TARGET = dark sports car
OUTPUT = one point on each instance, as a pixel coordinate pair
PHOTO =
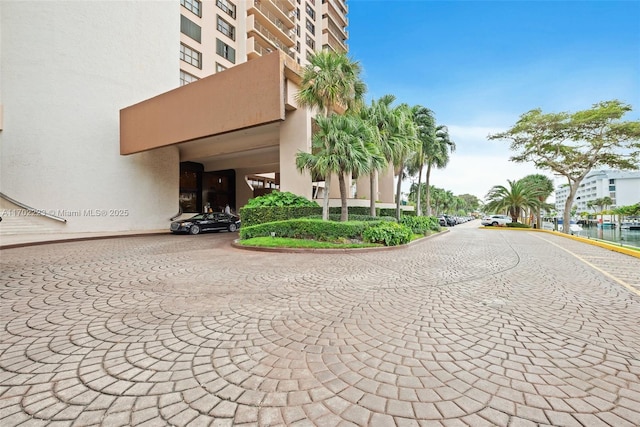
(200, 223)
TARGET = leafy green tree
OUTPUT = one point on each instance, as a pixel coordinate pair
(471, 202)
(513, 199)
(330, 81)
(342, 145)
(544, 185)
(572, 144)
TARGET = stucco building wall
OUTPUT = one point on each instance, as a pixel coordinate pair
(67, 70)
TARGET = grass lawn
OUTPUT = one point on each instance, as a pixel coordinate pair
(283, 242)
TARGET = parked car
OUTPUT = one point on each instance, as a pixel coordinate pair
(215, 221)
(442, 221)
(496, 220)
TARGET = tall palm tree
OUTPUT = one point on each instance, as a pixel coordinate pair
(330, 81)
(425, 127)
(518, 196)
(342, 145)
(407, 136)
(544, 185)
(437, 155)
(387, 135)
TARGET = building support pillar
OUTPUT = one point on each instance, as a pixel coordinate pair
(295, 135)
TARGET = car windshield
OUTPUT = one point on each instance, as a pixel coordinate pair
(199, 216)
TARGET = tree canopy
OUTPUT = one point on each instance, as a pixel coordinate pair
(572, 144)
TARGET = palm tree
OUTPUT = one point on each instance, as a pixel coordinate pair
(520, 195)
(425, 124)
(388, 137)
(330, 81)
(437, 156)
(407, 135)
(544, 185)
(342, 145)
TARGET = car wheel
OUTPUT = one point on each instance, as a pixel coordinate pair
(232, 227)
(194, 229)
(494, 223)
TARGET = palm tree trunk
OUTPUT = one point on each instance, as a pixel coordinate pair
(373, 194)
(398, 189)
(428, 189)
(325, 198)
(418, 204)
(344, 212)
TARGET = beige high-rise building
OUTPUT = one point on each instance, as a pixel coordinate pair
(120, 115)
(219, 34)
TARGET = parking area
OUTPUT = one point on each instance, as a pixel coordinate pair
(472, 327)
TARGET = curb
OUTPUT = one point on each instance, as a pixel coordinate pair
(77, 239)
(609, 246)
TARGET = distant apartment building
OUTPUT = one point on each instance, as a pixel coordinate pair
(119, 115)
(623, 187)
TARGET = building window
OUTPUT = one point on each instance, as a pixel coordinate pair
(297, 30)
(612, 188)
(612, 181)
(227, 29)
(186, 78)
(310, 11)
(190, 28)
(311, 27)
(310, 42)
(194, 6)
(190, 56)
(228, 7)
(220, 67)
(225, 51)
(298, 47)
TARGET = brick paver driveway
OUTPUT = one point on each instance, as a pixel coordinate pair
(474, 327)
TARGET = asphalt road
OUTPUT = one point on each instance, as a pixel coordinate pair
(472, 327)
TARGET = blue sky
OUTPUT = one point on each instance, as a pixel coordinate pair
(480, 64)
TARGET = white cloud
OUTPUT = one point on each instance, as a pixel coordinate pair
(476, 174)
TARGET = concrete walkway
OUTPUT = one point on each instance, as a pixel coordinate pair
(474, 327)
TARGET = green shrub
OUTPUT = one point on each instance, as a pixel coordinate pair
(517, 225)
(420, 224)
(336, 217)
(305, 228)
(353, 210)
(259, 215)
(388, 233)
(281, 199)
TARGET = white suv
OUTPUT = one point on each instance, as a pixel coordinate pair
(496, 220)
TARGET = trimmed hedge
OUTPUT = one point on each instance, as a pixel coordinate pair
(336, 217)
(252, 216)
(421, 224)
(305, 228)
(517, 225)
(354, 210)
(388, 233)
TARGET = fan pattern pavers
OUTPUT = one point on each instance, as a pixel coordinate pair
(474, 327)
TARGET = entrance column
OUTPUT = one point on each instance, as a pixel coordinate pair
(385, 185)
(295, 135)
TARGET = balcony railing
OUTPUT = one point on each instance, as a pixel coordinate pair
(264, 32)
(271, 17)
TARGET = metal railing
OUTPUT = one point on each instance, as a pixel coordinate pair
(271, 17)
(38, 212)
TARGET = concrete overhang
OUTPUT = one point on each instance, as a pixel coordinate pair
(234, 111)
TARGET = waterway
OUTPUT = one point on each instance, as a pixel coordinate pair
(615, 235)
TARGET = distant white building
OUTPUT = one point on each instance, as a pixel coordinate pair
(623, 187)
